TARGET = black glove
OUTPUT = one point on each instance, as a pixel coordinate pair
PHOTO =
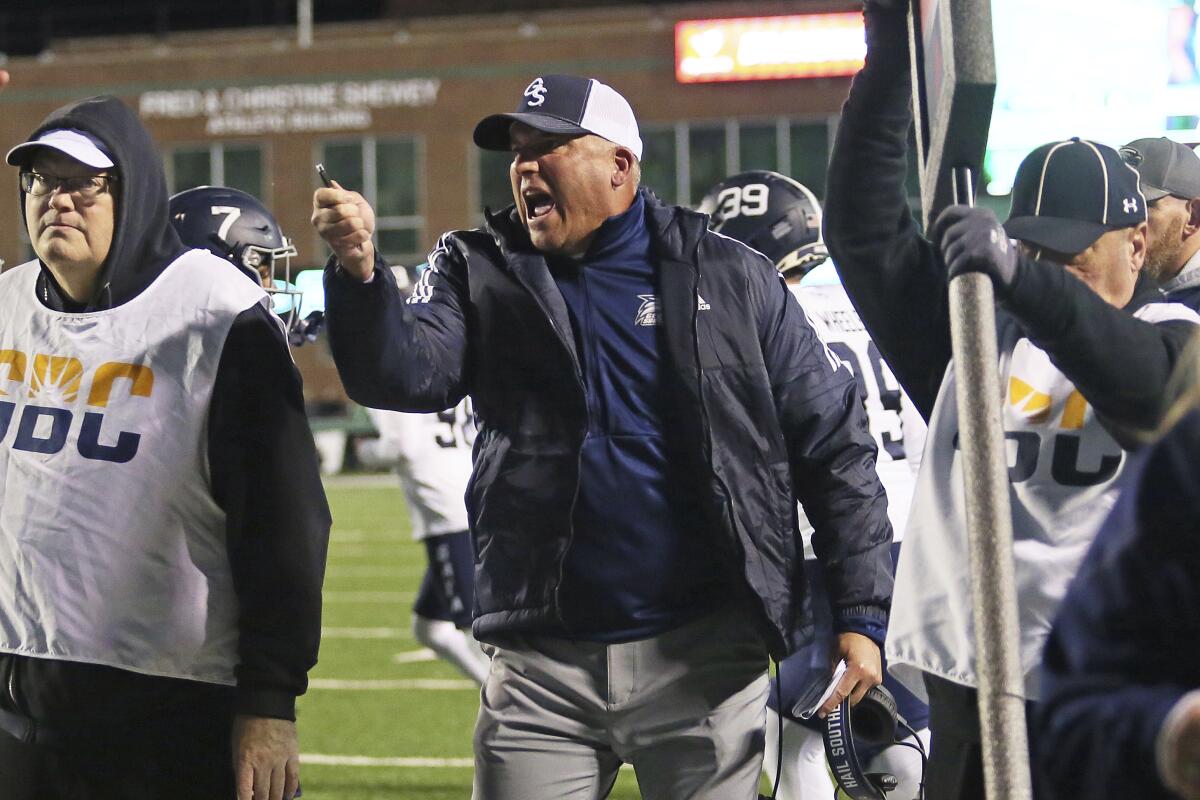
(972, 240)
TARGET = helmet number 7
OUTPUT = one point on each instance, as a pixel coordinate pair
(231, 214)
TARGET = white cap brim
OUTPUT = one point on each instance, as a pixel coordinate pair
(81, 146)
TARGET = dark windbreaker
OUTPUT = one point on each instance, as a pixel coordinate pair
(760, 414)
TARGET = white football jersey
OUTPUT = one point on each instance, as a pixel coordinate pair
(431, 454)
(898, 429)
(1062, 471)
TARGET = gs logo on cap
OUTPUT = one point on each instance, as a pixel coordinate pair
(536, 92)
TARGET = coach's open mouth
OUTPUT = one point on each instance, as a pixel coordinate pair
(537, 204)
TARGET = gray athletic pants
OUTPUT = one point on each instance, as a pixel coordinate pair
(686, 708)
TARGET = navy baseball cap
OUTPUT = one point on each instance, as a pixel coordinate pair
(1068, 194)
(1166, 167)
(566, 104)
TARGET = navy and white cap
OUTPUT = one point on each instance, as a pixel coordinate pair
(79, 145)
(1165, 166)
(566, 104)
(1068, 194)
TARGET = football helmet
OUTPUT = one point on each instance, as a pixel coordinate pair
(237, 227)
(772, 213)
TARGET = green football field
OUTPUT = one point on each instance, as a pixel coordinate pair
(382, 719)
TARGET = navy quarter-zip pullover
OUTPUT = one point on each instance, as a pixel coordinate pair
(637, 564)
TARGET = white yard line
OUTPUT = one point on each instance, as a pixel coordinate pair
(351, 536)
(427, 684)
(360, 481)
(373, 550)
(322, 759)
(358, 571)
(365, 633)
(391, 562)
(371, 761)
(368, 597)
(414, 656)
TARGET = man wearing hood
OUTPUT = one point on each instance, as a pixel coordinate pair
(162, 524)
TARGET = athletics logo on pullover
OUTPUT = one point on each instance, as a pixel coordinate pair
(647, 313)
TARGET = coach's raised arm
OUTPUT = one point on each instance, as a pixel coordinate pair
(1086, 346)
(388, 356)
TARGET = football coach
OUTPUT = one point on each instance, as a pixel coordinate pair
(652, 403)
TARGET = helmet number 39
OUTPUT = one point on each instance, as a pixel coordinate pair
(742, 201)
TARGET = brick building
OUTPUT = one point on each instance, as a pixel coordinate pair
(389, 105)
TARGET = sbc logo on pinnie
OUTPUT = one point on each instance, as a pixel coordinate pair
(54, 381)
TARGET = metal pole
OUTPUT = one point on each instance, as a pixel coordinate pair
(989, 530)
(304, 24)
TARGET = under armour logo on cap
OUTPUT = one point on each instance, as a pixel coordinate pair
(566, 104)
(1130, 205)
(536, 91)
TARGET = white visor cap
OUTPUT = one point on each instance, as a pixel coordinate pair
(79, 145)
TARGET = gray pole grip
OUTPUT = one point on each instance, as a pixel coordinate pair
(989, 531)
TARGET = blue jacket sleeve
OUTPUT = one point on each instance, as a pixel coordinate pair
(396, 353)
(1123, 649)
(832, 460)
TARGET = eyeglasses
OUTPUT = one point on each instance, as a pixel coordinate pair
(85, 186)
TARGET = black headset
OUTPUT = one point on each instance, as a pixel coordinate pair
(874, 721)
